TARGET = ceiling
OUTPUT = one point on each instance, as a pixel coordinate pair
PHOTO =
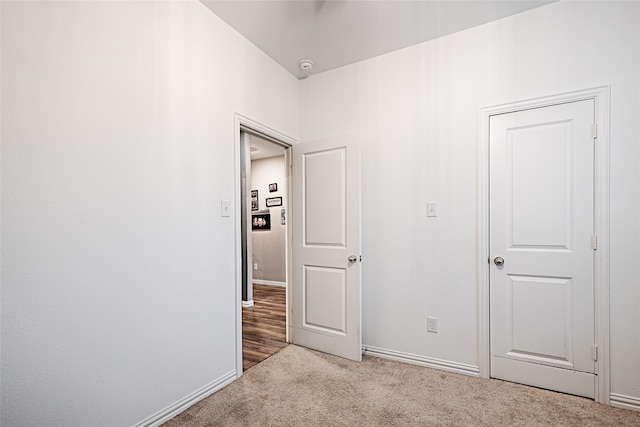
(333, 33)
(263, 149)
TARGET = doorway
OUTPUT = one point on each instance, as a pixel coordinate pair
(261, 301)
(544, 243)
(265, 277)
(329, 318)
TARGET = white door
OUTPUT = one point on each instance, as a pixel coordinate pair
(325, 285)
(541, 226)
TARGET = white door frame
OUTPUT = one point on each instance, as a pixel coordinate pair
(243, 123)
(601, 217)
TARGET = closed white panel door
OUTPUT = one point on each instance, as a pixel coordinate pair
(541, 246)
(325, 288)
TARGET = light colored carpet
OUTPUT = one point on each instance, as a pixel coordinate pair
(301, 387)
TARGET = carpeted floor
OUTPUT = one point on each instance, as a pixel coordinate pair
(301, 387)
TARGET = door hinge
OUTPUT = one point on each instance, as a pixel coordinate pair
(594, 353)
(594, 242)
(594, 130)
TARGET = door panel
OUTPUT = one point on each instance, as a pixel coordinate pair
(548, 339)
(324, 206)
(326, 310)
(540, 214)
(541, 223)
(324, 295)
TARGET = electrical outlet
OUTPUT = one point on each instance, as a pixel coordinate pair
(432, 324)
(432, 209)
(255, 266)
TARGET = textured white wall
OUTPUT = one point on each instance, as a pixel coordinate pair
(269, 247)
(416, 112)
(118, 272)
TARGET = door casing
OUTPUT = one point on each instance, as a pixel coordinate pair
(243, 123)
(600, 95)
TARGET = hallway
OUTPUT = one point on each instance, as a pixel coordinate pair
(263, 325)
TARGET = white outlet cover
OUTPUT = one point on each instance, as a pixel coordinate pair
(432, 209)
(432, 324)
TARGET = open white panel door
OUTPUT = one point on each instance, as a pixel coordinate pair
(326, 298)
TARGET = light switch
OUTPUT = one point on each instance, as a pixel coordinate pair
(225, 208)
(432, 209)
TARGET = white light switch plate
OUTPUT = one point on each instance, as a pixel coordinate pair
(225, 208)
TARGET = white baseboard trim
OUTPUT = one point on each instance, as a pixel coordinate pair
(247, 303)
(622, 401)
(183, 404)
(429, 362)
(269, 282)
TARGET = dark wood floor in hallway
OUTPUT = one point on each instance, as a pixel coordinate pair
(263, 325)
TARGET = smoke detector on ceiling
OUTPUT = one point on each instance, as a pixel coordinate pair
(306, 64)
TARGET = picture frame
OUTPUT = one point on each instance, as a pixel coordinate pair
(254, 200)
(273, 187)
(273, 201)
(261, 221)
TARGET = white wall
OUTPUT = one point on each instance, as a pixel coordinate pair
(117, 147)
(118, 272)
(269, 246)
(416, 112)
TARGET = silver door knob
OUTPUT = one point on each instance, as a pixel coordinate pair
(352, 258)
(498, 261)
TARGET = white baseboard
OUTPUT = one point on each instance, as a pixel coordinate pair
(622, 401)
(429, 362)
(247, 303)
(269, 282)
(183, 404)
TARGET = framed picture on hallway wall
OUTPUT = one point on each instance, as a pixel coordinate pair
(273, 188)
(273, 201)
(261, 221)
(254, 200)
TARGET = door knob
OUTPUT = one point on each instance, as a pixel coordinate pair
(352, 258)
(498, 261)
